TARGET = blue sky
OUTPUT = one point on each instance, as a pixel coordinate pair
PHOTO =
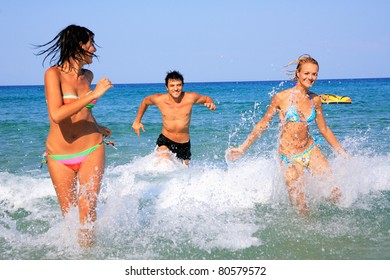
(214, 40)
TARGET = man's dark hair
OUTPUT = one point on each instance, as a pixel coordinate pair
(174, 75)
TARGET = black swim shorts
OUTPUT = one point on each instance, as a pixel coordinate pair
(182, 150)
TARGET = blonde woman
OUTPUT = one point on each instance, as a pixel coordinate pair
(296, 108)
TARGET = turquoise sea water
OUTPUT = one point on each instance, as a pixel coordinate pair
(215, 209)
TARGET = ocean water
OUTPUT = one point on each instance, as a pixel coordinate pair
(214, 209)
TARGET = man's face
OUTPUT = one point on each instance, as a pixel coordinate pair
(175, 88)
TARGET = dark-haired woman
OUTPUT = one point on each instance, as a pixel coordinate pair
(74, 148)
(297, 107)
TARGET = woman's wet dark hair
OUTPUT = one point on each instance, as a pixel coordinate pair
(66, 45)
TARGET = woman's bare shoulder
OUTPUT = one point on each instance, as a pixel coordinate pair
(52, 75)
(88, 74)
(316, 98)
(282, 95)
(52, 71)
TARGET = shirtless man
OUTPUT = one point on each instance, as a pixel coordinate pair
(175, 107)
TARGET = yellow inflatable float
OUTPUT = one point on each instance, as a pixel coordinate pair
(334, 99)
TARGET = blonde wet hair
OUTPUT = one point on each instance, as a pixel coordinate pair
(303, 59)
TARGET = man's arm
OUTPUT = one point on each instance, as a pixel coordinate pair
(146, 102)
(205, 100)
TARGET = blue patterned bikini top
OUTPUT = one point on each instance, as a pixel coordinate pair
(292, 114)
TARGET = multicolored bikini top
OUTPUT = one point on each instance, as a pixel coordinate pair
(71, 97)
(292, 114)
